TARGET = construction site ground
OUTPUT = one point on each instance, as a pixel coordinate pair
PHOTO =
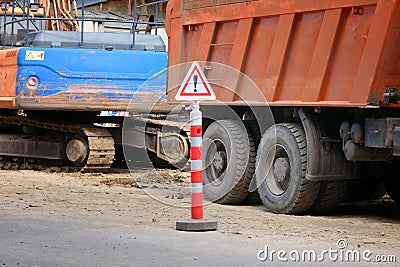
(123, 219)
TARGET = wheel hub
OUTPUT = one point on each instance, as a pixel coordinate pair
(281, 169)
(219, 161)
(278, 177)
(77, 150)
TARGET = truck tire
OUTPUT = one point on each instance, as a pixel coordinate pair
(329, 196)
(229, 161)
(284, 188)
(254, 129)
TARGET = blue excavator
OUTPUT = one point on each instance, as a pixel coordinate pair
(61, 87)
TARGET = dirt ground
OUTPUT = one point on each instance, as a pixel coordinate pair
(157, 199)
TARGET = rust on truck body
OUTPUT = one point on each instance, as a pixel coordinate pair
(342, 53)
(8, 70)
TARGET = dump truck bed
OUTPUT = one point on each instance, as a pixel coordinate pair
(343, 53)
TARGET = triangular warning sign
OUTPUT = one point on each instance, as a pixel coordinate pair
(195, 86)
(29, 56)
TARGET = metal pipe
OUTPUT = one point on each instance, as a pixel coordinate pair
(41, 24)
(89, 19)
(24, 15)
(82, 22)
(134, 26)
(28, 19)
(156, 18)
(12, 24)
(23, 10)
(4, 25)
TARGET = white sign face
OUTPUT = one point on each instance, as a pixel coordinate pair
(34, 55)
(195, 86)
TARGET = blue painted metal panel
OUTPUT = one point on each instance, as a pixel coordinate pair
(86, 79)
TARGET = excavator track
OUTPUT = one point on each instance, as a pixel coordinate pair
(99, 141)
(101, 149)
(82, 147)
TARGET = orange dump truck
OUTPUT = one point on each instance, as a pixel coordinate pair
(308, 98)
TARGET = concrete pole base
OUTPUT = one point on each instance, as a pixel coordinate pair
(191, 225)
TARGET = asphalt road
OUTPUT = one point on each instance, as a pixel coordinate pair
(31, 241)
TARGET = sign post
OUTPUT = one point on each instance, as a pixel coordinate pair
(194, 88)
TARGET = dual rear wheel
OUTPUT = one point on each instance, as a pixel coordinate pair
(229, 157)
(279, 168)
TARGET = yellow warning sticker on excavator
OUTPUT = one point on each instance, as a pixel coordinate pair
(34, 55)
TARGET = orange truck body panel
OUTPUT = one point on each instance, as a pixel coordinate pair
(8, 72)
(342, 53)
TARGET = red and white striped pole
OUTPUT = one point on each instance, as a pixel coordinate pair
(196, 223)
(196, 172)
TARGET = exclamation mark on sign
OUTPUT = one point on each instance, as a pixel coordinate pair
(195, 83)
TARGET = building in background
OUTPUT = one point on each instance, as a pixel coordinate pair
(125, 7)
(102, 10)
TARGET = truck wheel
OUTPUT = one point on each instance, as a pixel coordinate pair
(281, 169)
(254, 129)
(329, 196)
(229, 158)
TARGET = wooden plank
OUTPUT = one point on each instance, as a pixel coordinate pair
(275, 65)
(238, 56)
(207, 36)
(322, 55)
